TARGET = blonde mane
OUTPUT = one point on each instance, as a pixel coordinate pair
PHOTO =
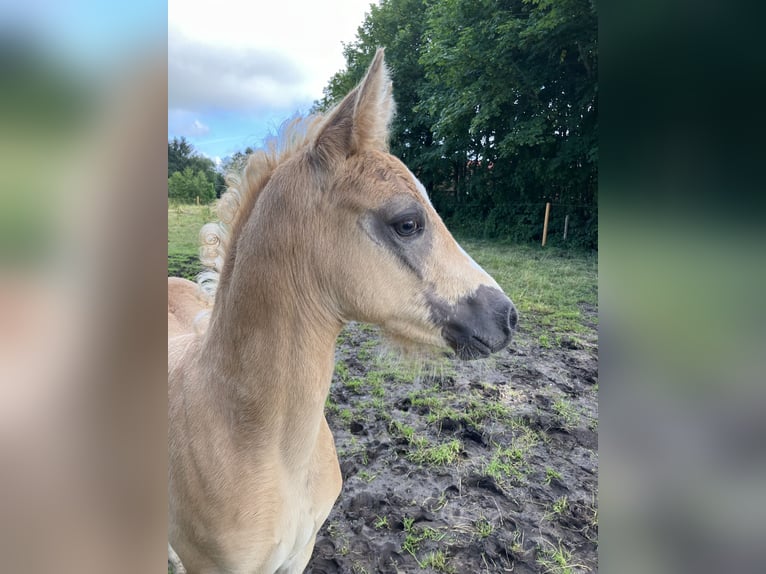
(243, 187)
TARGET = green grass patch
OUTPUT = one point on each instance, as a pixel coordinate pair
(381, 522)
(396, 369)
(341, 371)
(557, 560)
(415, 535)
(438, 561)
(483, 528)
(550, 475)
(423, 451)
(566, 413)
(548, 286)
(184, 224)
(354, 385)
(510, 462)
(436, 454)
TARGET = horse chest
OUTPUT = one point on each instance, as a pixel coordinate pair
(285, 539)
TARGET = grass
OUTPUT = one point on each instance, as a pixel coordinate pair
(184, 224)
(483, 528)
(381, 522)
(422, 451)
(548, 286)
(437, 455)
(506, 463)
(472, 410)
(366, 476)
(557, 560)
(437, 559)
(550, 475)
(510, 462)
(566, 413)
(560, 506)
(396, 369)
(415, 536)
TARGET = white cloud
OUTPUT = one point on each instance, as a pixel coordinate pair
(184, 123)
(251, 56)
(203, 76)
(199, 129)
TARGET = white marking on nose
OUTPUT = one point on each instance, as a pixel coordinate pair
(470, 259)
(491, 280)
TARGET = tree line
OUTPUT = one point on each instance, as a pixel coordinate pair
(496, 109)
(191, 176)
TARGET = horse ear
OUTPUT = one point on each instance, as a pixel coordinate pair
(361, 121)
(374, 107)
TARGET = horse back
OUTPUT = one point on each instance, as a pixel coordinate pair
(185, 303)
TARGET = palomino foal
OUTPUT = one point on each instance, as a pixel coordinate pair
(326, 229)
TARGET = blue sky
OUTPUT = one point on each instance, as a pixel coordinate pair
(237, 70)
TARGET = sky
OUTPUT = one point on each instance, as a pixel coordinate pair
(238, 69)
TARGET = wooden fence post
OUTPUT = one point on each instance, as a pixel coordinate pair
(566, 226)
(545, 223)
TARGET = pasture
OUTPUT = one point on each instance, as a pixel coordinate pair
(452, 466)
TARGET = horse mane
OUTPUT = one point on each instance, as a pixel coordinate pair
(243, 187)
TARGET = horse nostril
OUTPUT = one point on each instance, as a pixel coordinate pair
(514, 317)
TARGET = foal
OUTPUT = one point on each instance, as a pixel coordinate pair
(330, 228)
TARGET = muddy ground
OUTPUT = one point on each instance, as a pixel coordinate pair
(465, 467)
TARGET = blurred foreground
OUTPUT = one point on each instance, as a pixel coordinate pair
(82, 332)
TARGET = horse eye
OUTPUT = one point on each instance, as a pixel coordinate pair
(407, 227)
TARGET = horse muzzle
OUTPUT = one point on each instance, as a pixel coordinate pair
(479, 324)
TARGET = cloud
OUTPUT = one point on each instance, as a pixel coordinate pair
(185, 123)
(196, 129)
(203, 76)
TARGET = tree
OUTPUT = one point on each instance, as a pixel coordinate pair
(181, 155)
(188, 185)
(497, 107)
(513, 82)
(397, 25)
(179, 152)
(236, 162)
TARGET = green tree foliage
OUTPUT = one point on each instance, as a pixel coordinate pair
(188, 185)
(181, 155)
(496, 108)
(235, 163)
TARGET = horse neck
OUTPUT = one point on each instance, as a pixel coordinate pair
(269, 354)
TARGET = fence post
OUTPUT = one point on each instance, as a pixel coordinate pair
(545, 223)
(566, 226)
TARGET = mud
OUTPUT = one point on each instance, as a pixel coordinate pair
(466, 467)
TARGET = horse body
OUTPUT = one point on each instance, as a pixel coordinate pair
(254, 471)
(330, 229)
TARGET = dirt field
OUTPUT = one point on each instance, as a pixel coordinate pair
(488, 466)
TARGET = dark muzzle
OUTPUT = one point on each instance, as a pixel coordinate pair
(479, 324)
